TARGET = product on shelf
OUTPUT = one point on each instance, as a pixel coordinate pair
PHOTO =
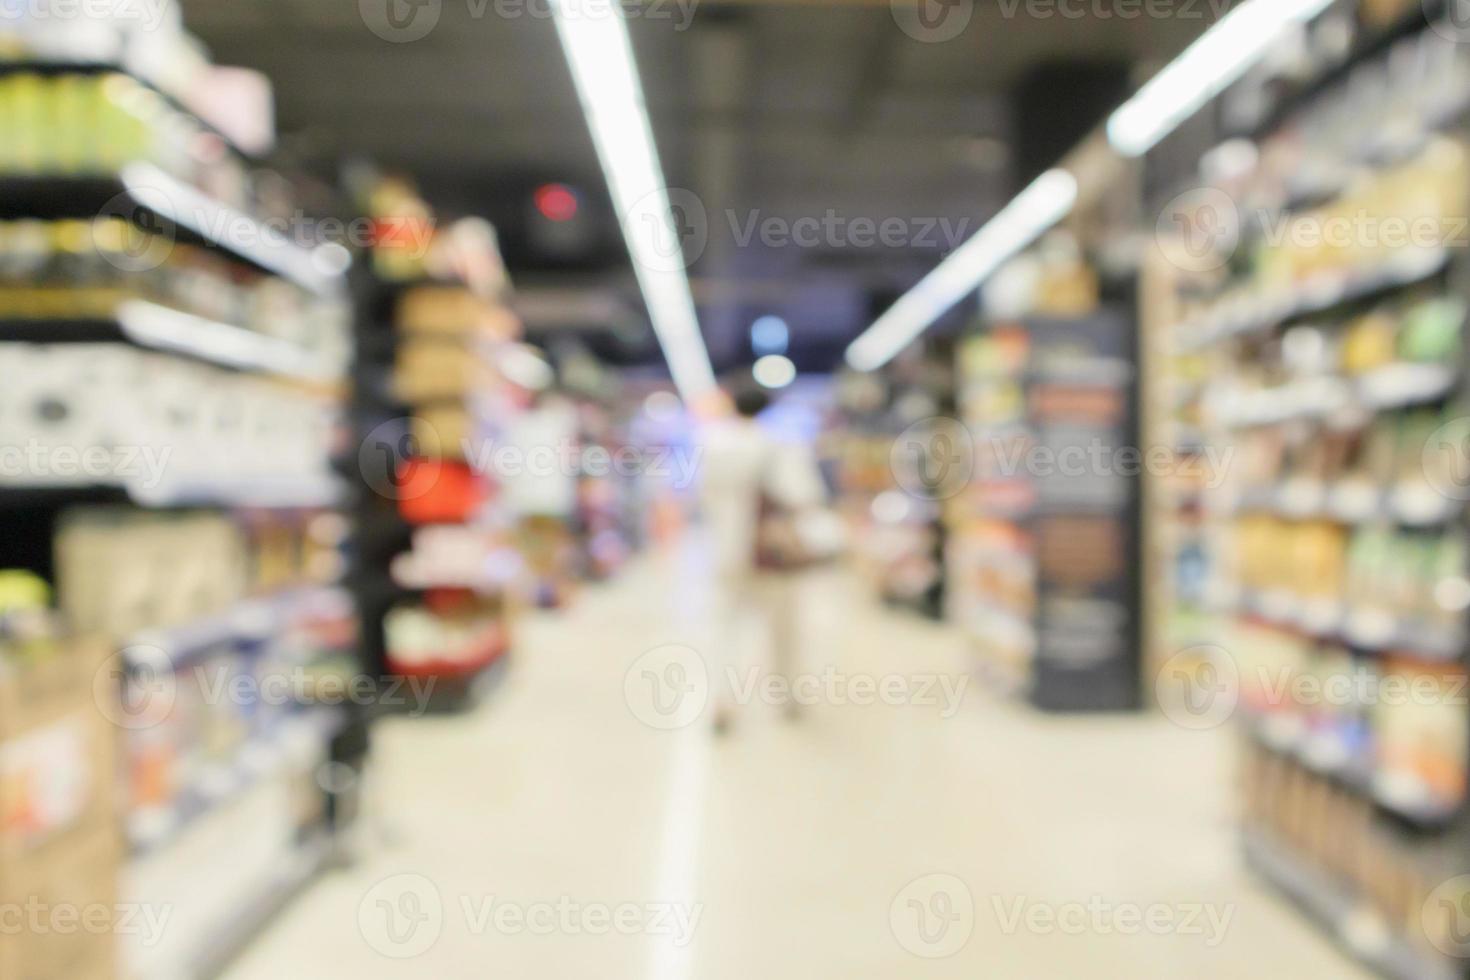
(183, 566)
(456, 632)
(92, 124)
(161, 426)
(29, 628)
(106, 268)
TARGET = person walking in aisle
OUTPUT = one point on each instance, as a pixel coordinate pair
(753, 489)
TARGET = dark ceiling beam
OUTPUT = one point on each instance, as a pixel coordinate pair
(722, 72)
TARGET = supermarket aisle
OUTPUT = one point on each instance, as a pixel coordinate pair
(553, 834)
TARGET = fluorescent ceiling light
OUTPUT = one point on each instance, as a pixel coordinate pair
(601, 59)
(1049, 198)
(1219, 57)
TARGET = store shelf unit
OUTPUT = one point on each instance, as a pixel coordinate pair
(900, 538)
(436, 566)
(175, 379)
(1323, 565)
(1340, 913)
(990, 560)
(1046, 534)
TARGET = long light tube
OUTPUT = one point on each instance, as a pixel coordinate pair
(601, 60)
(1219, 57)
(1041, 205)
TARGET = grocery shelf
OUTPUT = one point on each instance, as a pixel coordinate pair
(159, 327)
(54, 496)
(65, 67)
(260, 757)
(1328, 365)
(1324, 753)
(1409, 506)
(252, 618)
(1354, 927)
(1256, 315)
(317, 493)
(221, 343)
(200, 217)
(1415, 18)
(1393, 386)
(233, 230)
(1289, 736)
(1364, 627)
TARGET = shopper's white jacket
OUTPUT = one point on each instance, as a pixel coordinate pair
(738, 458)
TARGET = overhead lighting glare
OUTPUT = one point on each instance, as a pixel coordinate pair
(601, 60)
(1219, 57)
(1041, 205)
(774, 371)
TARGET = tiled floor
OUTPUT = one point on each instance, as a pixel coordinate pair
(554, 834)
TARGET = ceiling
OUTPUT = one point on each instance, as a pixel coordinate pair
(829, 111)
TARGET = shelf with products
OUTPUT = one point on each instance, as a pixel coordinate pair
(439, 565)
(1385, 724)
(899, 542)
(173, 417)
(156, 51)
(1350, 47)
(81, 74)
(173, 210)
(1042, 538)
(1343, 914)
(196, 434)
(150, 326)
(1324, 363)
(605, 537)
(990, 559)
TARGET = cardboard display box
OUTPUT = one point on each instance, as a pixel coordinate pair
(60, 849)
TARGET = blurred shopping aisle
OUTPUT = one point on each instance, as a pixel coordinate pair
(789, 849)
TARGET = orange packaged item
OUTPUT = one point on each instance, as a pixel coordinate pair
(438, 491)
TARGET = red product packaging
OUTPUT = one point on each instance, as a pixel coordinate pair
(438, 491)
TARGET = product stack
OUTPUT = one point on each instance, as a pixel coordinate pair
(990, 558)
(605, 538)
(174, 648)
(897, 531)
(1325, 350)
(889, 490)
(1043, 536)
(441, 374)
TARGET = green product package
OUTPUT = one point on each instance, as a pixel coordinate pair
(1431, 331)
